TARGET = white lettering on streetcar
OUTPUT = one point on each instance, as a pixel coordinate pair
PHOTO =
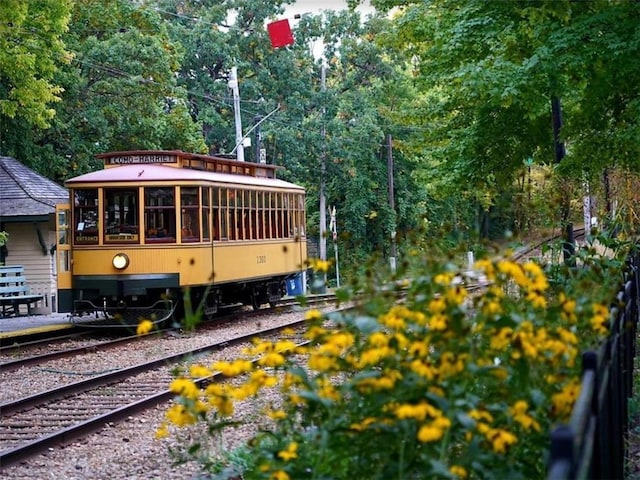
(133, 159)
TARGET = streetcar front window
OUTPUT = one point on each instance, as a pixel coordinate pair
(190, 218)
(121, 223)
(85, 216)
(159, 215)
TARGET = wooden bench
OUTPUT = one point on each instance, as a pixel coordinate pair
(14, 291)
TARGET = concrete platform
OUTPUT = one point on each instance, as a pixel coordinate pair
(24, 325)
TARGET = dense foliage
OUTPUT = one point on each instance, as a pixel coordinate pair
(463, 90)
(445, 384)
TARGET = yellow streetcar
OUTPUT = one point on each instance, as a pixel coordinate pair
(152, 225)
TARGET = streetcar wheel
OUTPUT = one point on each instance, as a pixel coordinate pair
(255, 302)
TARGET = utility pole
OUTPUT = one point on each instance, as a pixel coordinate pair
(568, 244)
(323, 160)
(392, 203)
(233, 85)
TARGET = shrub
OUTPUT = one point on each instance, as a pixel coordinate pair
(442, 384)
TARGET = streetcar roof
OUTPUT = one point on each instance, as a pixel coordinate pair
(150, 173)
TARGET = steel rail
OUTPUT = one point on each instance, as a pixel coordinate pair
(12, 455)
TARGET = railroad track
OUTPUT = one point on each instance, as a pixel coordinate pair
(536, 248)
(32, 424)
(20, 349)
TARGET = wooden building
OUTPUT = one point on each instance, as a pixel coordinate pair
(27, 213)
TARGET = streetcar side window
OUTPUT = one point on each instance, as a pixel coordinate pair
(190, 219)
(159, 215)
(121, 223)
(260, 216)
(224, 214)
(215, 210)
(206, 214)
(85, 216)
(300, 216)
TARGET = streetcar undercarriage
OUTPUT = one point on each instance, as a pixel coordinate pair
(127, 302)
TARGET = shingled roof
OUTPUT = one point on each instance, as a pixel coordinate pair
(25, 193)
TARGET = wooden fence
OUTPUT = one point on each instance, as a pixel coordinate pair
(593, 445)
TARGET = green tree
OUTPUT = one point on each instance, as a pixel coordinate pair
(31, 52)
(488, 70)
(120, 92)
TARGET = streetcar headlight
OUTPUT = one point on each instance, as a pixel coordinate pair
(120, 261)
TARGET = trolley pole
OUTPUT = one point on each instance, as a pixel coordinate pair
(259, 152)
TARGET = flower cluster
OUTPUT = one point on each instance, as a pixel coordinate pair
(442, 385)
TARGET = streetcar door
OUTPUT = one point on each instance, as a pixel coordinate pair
(63, 257)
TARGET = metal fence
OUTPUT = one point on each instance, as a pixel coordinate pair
(593, 444)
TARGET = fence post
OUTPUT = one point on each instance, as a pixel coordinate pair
(561, 454)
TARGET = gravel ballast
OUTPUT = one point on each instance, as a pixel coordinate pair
(129, 450)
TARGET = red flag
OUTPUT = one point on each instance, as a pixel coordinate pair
(280, 33)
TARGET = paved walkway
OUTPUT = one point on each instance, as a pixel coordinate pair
(54, 320)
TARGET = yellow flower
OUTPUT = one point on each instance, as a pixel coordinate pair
(456, 295)
(568, 309)
(272, 359)
(487, 267)
(600, 319)
(501, 439)
(290, 452)
(144, 327)
(178, 415)
(279, 475)
(314, 332)
(374, 355)
(430, 433)
(363, 425)
(536, 299)
(437, 305)
(481, 415)
(277, 414)
(419, 411)
(327, 390)
(313, 315)
(199, 371)
(423, 369)
(438, 322)
(567, 336)
(491, 307)
(185, 387)
(320, 265)
(234, 368)
(378, 339)
(322, 363)
(563, 401)
(162, 431)
(502, 339)
(392, 321)
(443, 278)
(519, 414)
(458, 471)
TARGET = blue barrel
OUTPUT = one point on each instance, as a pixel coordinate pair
(294, 285)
